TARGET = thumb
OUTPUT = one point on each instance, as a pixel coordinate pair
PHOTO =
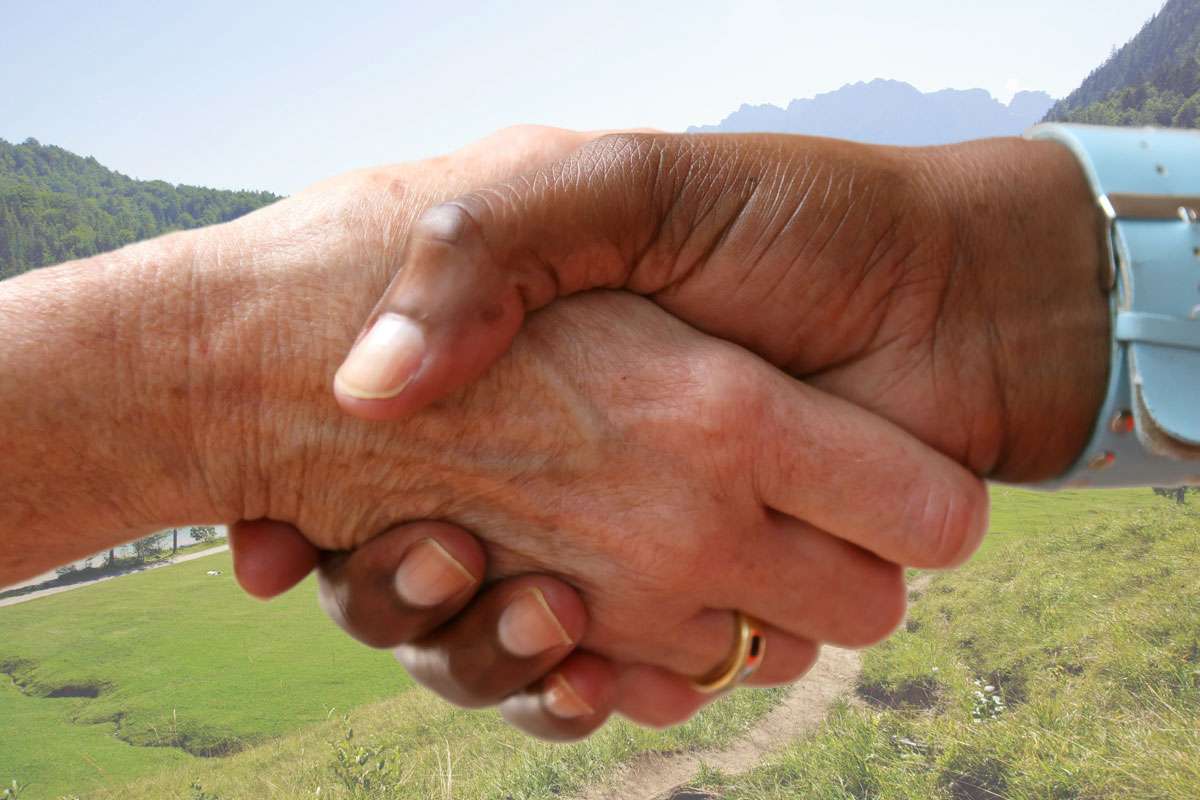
(270, 557)
(606, 216)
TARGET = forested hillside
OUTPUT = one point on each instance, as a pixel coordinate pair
(1153, 80)
(55, 205)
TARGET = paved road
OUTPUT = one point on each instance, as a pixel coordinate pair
(24, 598)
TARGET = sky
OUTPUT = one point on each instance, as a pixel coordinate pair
(275, 95)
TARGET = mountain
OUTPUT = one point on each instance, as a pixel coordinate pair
(55, 206)
(1153, 80)
(893, 112)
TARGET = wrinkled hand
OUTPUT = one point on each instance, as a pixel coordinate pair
(855, 267)
(650, 466)
(952, 290)
(647, 465)
(659, 506)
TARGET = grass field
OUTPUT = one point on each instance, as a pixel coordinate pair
(179, 659)
(1064, 665)
(416, 747)
(184, 659)
(1020, 512)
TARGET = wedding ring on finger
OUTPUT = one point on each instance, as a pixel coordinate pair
(748, 649)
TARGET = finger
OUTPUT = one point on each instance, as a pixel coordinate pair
(569, 703)
(858, 476)
(510, 636)
(713, 637)
(786, 658)
(703, 644)
(658, 698)
(270, 557)
(813, 585)
(403, 583)
(655, 697)
(476, 264)
(579, 695)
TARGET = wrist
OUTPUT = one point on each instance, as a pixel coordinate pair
(95, 384)
(1028, 255)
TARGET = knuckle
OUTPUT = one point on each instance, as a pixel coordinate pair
(690, 193)
(956, 520)
(716, 403)
(427, 666)
(731, 388)
(379, 638)
(447, 223)
(467, 676)
(656, 165)
(626, 148)
(362, 609)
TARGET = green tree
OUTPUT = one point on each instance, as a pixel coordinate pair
(55, 206)
(1153, 80)
(148, 546)
(203, 533)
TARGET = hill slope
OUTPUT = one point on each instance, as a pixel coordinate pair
(1153, 80)
(1084, 613)
(55, 206)
(892, 112)
(1059, 665)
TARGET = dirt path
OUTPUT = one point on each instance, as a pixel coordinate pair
(663, 776)
(25, 598)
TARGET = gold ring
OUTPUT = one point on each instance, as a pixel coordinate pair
(748, 651)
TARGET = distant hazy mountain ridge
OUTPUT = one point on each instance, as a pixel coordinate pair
(1153, 80)
(55, 206)
(893, 112)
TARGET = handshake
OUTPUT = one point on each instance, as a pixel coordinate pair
(639, 416)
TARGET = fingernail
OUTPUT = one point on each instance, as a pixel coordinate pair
(428, 575)
(384, 361)
(561, 699)
(528, 626)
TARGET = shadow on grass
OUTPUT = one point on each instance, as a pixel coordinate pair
(75, 690)
(986, 780)
(18, 670)
(201, 746)
(689, 794)
(916, 694)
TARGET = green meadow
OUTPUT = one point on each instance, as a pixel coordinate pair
(182, 663)
(1062, 665)
(1082, 613)
(1021, 513)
